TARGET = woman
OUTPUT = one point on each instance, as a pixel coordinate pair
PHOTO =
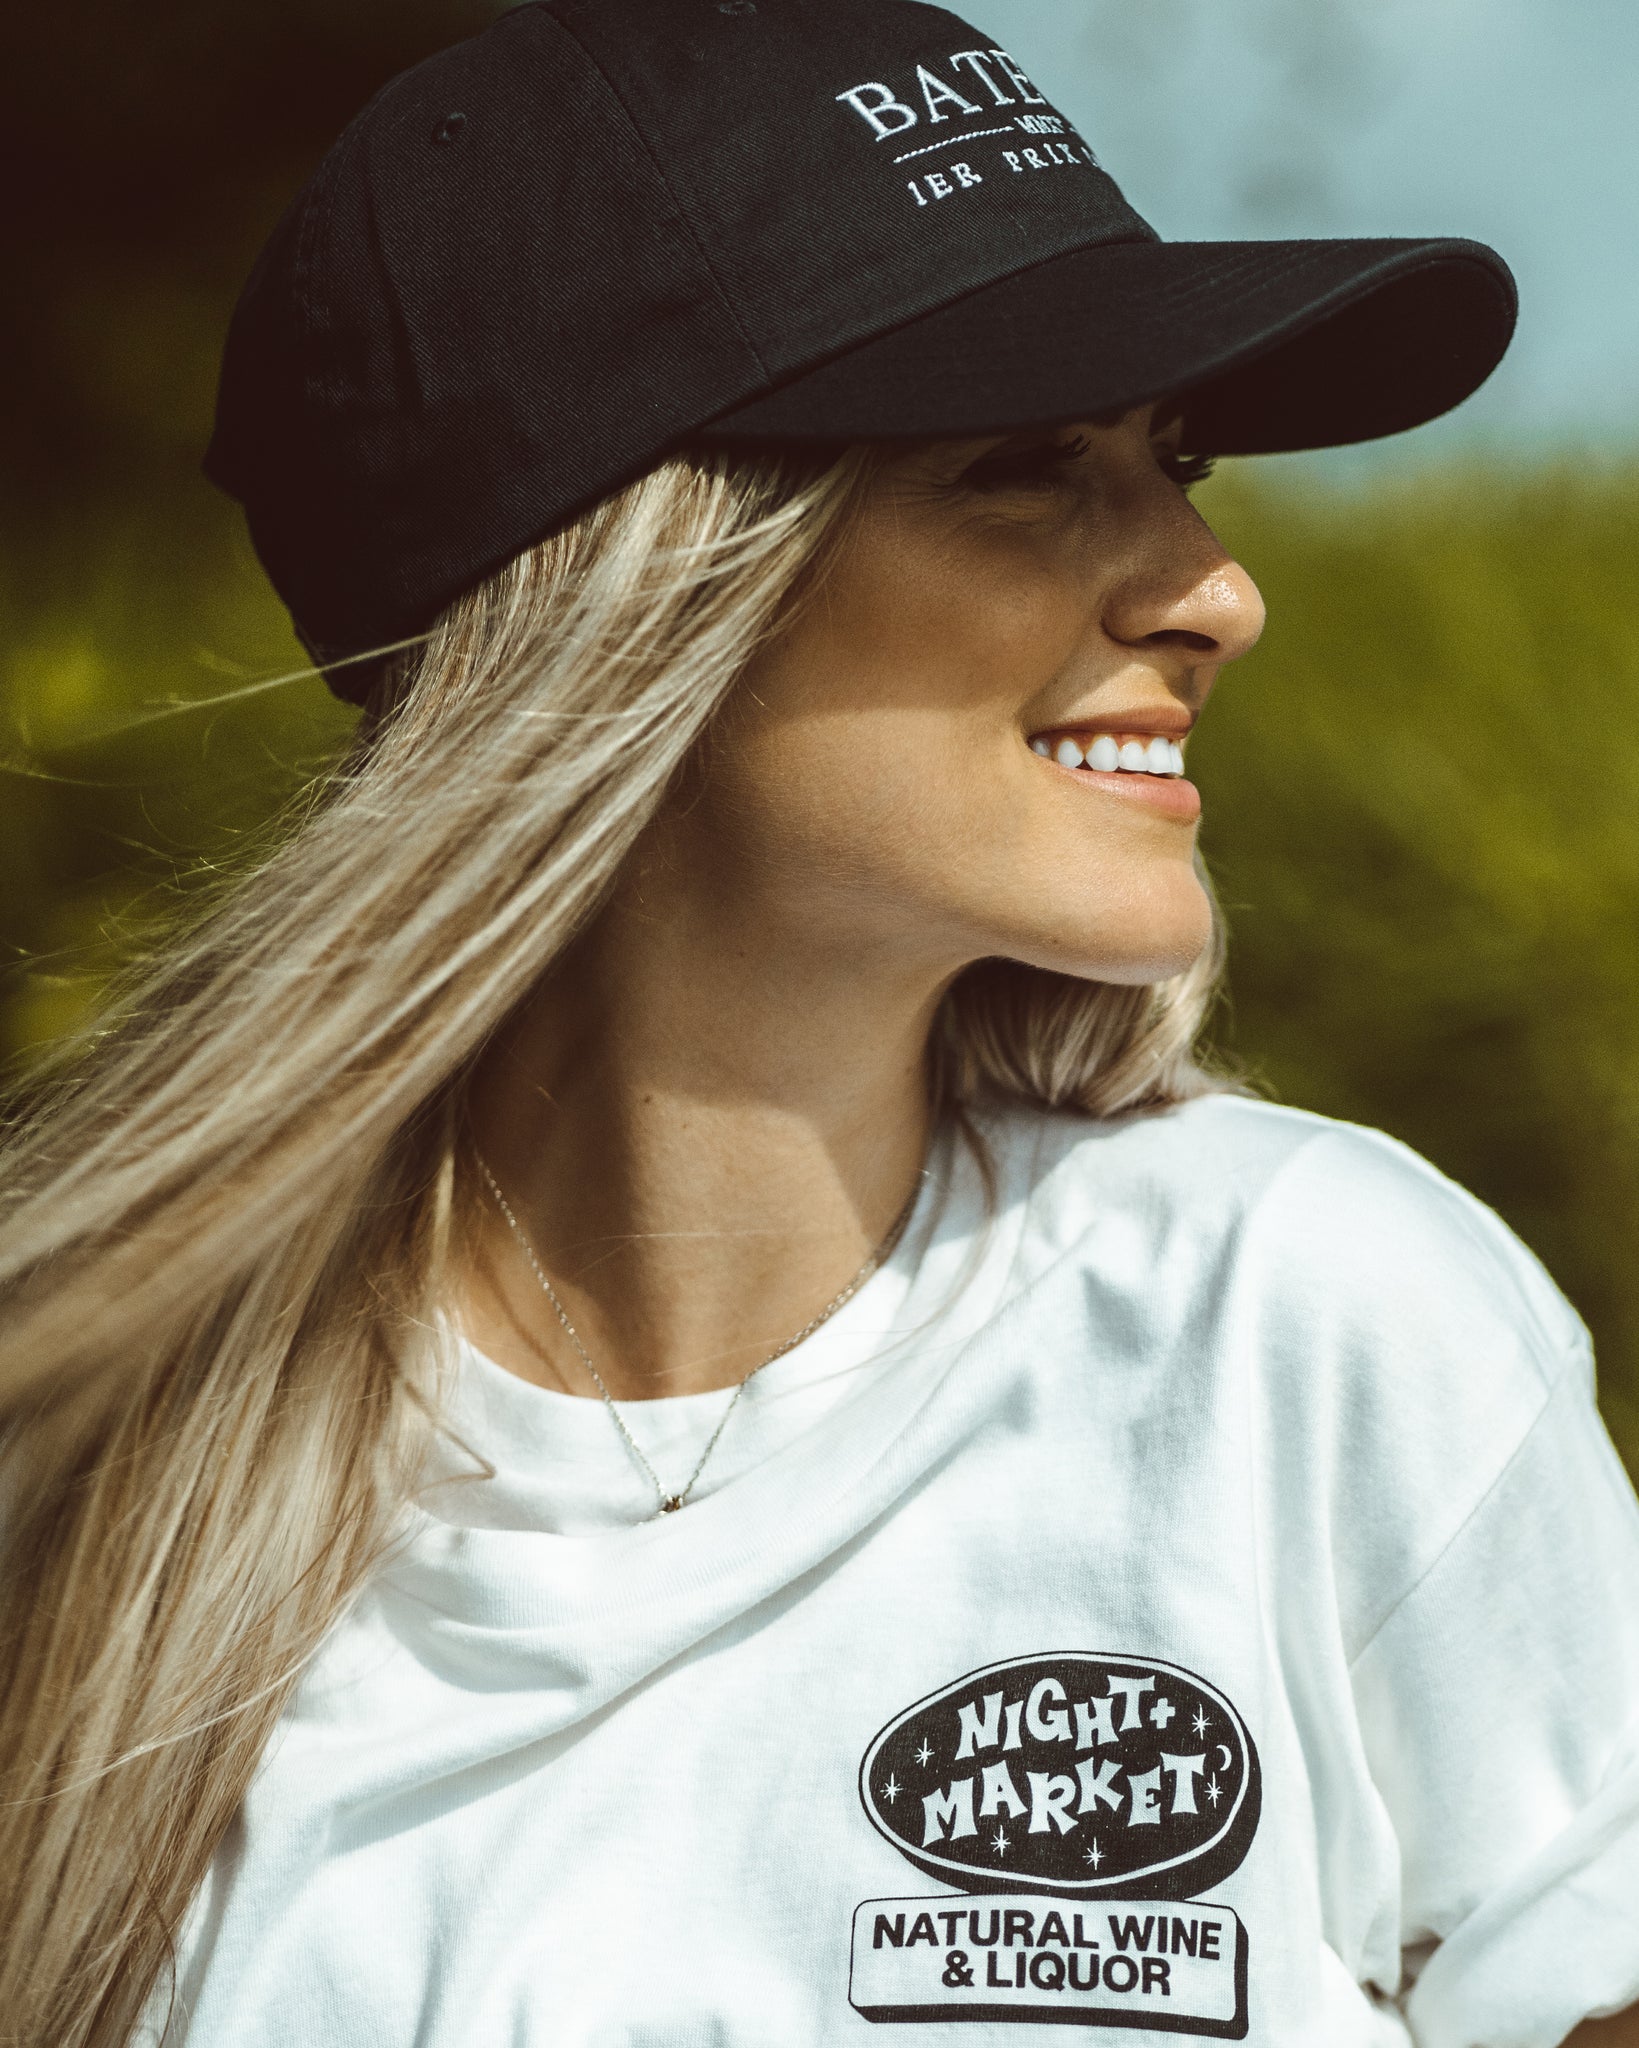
(648, 1396)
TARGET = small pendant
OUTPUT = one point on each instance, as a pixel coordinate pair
(671, 1506)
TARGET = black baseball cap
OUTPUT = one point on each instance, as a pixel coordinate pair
(603, 229)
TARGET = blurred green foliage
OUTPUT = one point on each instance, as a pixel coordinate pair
(1420, 789)
(1421, 801)
(148, 152)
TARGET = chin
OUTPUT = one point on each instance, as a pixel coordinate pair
(1135, 967)
(1141, 972)
(1156, 942)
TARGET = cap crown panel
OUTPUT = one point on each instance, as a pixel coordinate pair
(446, 358)
(841, 170)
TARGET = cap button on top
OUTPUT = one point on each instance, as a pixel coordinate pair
(736, 6)
(450, 129)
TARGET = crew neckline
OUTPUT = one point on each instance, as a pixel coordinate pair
(558, 1468)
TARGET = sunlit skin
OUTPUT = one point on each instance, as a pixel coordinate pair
(881, 760)
(715, 1108)
(1620, 2032)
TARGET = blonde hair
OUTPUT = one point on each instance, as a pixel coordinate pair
(228, 1219)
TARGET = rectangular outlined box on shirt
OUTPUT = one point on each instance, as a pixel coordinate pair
(1167, 1965)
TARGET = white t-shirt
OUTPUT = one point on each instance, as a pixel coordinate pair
(1204, 1603)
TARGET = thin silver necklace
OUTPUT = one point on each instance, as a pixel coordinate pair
(670, 1502)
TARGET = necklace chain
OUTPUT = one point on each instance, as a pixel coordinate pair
(671, 1502)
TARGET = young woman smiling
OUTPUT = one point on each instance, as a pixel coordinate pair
(648, 1397)
(873, 822)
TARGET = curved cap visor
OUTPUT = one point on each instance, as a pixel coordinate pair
(1274, 346)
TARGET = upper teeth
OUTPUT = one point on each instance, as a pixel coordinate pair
(1111, 755)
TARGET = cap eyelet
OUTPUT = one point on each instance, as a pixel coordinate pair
(450, 129)
(736, 6)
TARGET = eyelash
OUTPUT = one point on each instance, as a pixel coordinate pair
(1041, 466)
(1186, 471)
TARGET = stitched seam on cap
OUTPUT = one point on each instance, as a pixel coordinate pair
(315, 229)
(678, 207)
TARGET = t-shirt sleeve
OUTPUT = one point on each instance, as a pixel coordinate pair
(1499, 1707)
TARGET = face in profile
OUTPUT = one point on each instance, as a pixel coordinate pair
(970, 740)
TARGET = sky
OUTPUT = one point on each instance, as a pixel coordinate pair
(1512, 121)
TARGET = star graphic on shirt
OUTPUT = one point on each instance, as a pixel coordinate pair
(1200, 1723)
(1095, 1855)
(999, 1842)
(925, 1754)
(1214, 1791)
(892, 1790)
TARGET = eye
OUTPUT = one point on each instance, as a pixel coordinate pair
(1186, 471)
(1028, 466)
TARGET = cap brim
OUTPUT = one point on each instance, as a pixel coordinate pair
(1272, 345)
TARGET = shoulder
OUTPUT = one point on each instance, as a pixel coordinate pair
(1354, 1230)
(1389, 1342)
(1322, 1223)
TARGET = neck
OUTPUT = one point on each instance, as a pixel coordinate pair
(705, 1129)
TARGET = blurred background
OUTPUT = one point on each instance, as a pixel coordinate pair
(1421, 789)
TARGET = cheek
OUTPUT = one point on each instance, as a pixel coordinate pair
(873, 802)
(876, 739)
(855, 832)
(872, 779)
(960, 628)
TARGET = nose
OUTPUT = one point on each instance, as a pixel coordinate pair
(1189, 601)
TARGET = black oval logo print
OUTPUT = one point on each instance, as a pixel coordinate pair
(1108, 1776)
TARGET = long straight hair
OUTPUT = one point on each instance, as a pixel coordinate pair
(228, 1218)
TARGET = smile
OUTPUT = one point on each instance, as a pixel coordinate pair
(1114, 753)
